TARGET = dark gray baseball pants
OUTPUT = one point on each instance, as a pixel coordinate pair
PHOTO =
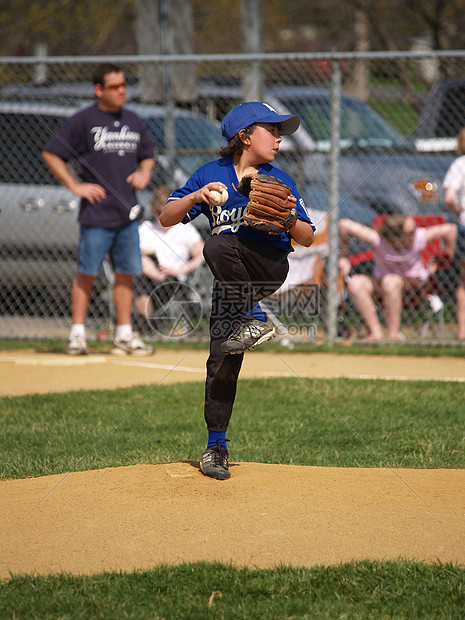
(245, 272)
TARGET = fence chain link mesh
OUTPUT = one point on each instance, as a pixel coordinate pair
(399, 118)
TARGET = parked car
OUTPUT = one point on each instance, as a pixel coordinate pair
(38, 216)
(442, 116)
(378, 166)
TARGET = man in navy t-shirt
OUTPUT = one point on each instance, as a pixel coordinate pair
(115, 154)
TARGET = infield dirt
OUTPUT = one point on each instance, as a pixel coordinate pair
(136, 517)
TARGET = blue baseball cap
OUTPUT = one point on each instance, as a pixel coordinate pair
(245, 114)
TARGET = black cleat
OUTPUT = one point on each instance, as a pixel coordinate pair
(247, 335)
(214, 462)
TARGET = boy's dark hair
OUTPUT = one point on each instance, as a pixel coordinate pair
(235, 146)
(103, 69)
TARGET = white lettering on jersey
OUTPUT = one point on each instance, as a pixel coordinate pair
(302, 204)
(115, 141)
(222, 219)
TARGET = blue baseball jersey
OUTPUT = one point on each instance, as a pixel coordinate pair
(229, 218)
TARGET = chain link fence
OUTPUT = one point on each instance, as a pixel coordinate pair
(378, 133)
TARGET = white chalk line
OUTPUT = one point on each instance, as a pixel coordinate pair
(100, 359)
(266, 373)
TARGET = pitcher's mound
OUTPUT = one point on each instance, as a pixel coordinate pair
(130, 518)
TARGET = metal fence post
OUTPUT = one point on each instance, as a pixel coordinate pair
(170, 129)
(252, 43)
(331, 316)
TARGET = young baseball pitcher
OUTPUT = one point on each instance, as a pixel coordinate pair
(254, 209)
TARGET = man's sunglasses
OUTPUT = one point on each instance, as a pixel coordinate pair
(116, 86)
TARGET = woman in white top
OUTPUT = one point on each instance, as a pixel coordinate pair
(168, 254)
(454, 194)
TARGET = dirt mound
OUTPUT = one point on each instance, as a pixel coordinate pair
(137, 517)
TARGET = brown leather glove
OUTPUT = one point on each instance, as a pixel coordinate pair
(269, 209)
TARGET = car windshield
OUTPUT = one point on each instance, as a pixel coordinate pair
(25, 133)
(191, 134)
(361, 126)
(197, 140)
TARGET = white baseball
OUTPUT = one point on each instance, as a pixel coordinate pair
(218, 198)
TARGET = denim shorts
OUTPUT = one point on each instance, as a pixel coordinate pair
(120, 244)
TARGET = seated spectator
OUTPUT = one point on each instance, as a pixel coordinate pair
(168, 254)
(306, 264)
(397, 264)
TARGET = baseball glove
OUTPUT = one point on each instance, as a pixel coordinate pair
(269, 209)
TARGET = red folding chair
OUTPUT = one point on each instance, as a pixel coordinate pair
(435, 258)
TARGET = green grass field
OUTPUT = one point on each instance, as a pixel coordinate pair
(405, 348)
(343, 423)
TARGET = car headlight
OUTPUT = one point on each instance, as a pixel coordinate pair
(425, 190)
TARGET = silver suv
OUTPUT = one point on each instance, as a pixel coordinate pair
(38, 228)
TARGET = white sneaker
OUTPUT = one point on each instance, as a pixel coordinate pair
(436, 303)
(134, 346)
(77, 345)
